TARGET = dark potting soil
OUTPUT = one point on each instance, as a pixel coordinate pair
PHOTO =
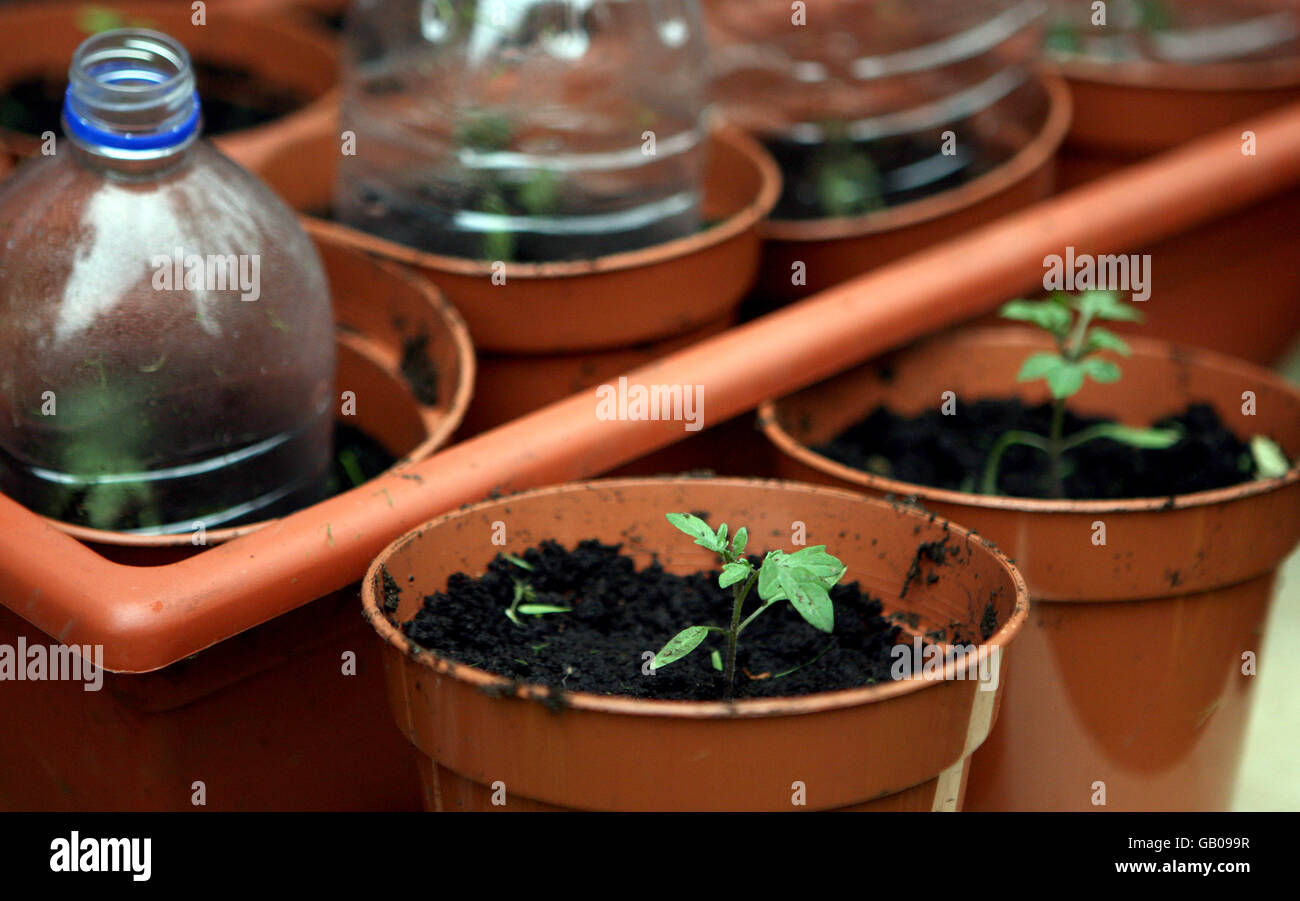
(950, 452)
(233, 98)
(419, 370)
(358, 458)
(619, 614)
(424, 220)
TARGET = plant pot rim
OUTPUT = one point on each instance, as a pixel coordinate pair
(1027, 160)
(439, 432)
(733, 226)
(769, 421)
(1260, 75)
(371, 590)
(246, 145)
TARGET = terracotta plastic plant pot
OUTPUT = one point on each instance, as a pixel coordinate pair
(1137, 109)
(1230, 285)
(244, 716)
(553, 329)
(615, 301)
(510, 385)
(1131, 670)
(835, 250)
(1126, 112)
(40, 39)
(901, 745)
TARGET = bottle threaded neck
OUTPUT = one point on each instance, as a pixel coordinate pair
(131, 95)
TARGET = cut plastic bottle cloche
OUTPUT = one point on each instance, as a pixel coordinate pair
(524, 130)
(166, 340)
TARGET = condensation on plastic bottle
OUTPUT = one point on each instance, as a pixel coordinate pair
(166, 338)
(524, 130)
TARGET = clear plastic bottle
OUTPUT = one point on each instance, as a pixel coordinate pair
(524, 130)
(166, 337)
(855, 98)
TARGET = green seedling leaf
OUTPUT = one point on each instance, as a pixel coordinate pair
(1065, 380)
(817, 563)
(518, 561)
(722, 536)
(540, 609)
(809, 596)
(1046, 314)
(769, 587)
(680, 645)
(1040, 365)
(697, 529)
(523, 592)
(847, 181)
(1102, 339)
(485, 130)
(1099, 370)
(1270, 460)
(498, 246)
(715, 657)
(1147, 439)
(741, 540)
(1107, 305)
(733, 573)
(541, 193)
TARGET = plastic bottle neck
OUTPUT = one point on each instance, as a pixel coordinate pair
(131, 103)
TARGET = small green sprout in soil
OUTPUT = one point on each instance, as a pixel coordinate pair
(803, 578)
(536, 193)
(1069, 320)
(347, 458)
(1269, 459)
(848, 182)
(525, 596)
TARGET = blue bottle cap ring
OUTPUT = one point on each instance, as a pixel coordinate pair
(80, 128)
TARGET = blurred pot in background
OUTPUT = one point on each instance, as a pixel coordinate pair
(895, 125)
(1149, 75)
